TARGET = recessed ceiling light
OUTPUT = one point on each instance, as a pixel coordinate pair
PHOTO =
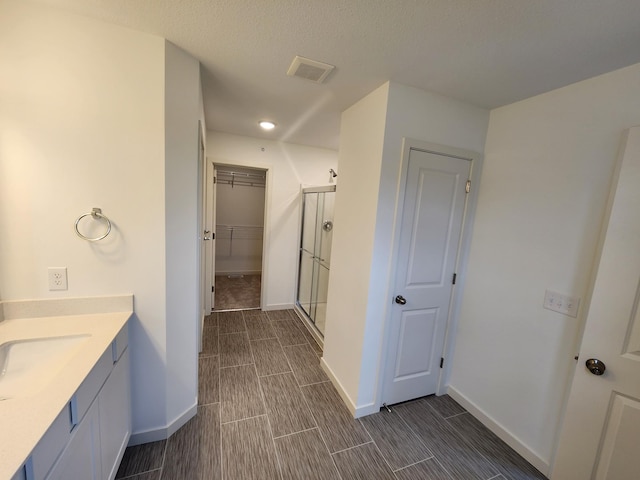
(267, 125)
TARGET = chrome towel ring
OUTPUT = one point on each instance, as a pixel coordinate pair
(96, 213)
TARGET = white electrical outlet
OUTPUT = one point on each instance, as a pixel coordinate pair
(560, 303)
(58, 278)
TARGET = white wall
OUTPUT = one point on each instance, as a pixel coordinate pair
(290, 166)
(548, 165)
(182, 112)
(361, 144)
(371, 146)
(82, 125)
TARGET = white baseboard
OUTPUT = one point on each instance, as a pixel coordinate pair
(514, 442)
(163, 433)
(147, 436)
(356, 411)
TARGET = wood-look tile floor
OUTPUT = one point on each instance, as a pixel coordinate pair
(268, 411)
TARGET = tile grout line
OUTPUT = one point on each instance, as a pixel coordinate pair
(443, 467)
(259, 339)
(242, 419)
(432, 457)
(462, 437)
(324, 442)
(316, 383)
(275, 448)
(164, 457)
(291, 365)
(354, 446)
(220, 436)
(376, 446)
(456, 415)
(239, 365)
(424, 445)
(295, 433)
(218, 340)
(275, 374)
(141, 473)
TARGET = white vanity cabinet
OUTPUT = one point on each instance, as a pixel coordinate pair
(89, 436)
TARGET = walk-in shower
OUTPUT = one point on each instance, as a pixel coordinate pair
(315, 254)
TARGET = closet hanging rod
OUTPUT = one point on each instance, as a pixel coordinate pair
(238, 226)
(243, 183)
(239, 174)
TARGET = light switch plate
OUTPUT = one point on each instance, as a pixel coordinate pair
(558, 302)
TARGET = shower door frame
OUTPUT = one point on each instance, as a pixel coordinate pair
(310, 324)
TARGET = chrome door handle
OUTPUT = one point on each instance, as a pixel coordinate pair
(400, 300)
(595, 366)
(207, 238)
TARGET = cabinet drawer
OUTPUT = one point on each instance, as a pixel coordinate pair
(80, 460)
(89, 388)
(120, 343)
(51, 444)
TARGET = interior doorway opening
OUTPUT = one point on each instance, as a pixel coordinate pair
(239, 231)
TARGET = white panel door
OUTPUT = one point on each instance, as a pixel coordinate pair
(601, 432)
(431, 224)
(210, 232)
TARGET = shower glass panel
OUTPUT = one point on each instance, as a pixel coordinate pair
(315, 254)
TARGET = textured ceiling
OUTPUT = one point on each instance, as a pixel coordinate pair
(485, 52)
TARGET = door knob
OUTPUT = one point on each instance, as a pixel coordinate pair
(595, 366)
(400, 300)
(207, 238)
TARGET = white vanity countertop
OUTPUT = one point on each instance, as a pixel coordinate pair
(24, 420)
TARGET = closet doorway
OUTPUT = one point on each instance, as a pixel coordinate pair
(239, 202)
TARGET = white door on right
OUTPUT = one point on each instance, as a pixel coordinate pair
(600, 437)
(431, 225)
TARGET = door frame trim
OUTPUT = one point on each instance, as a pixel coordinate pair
(464, 245)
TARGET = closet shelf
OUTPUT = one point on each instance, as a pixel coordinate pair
(234, 233)
(241, 179)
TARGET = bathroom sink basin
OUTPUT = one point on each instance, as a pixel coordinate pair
(27, 366)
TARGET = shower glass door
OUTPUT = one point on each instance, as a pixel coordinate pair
(315, 253)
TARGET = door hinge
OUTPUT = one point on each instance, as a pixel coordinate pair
(441, 362)
(215, 179)
(468, 187)
(213, 289)
(455, 275)
(213, 236)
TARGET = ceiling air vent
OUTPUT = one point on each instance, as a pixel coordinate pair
(309, 69)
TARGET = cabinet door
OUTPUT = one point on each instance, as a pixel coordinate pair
(115, 417)
(81, 457)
